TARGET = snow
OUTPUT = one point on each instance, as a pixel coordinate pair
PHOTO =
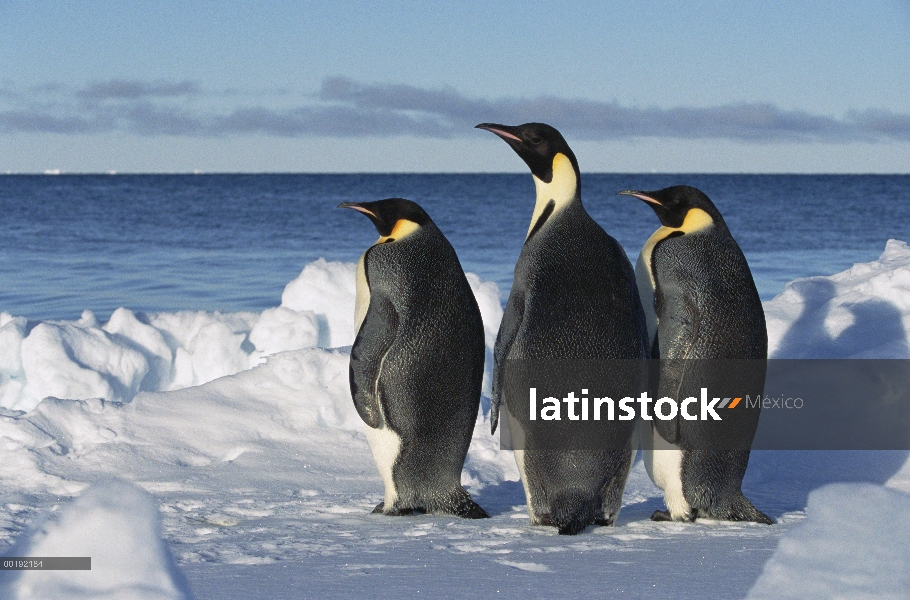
(241, 428)
(117, 525)
(169, 351)
(863, 312)
(334, 302)
(835, 555)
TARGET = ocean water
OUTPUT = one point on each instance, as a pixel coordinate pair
(231, 242)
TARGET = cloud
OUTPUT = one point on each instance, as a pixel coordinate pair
(599, 120)
(42, 122)
(885, 123)
(120, 89)
(342, 107)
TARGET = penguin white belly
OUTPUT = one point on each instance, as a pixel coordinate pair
(663, 461)
(362, 295)
(644, 280)
(520, 461)
(520, 458)
(385, 445)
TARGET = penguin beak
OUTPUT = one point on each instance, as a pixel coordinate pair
(643, 196)
(504, 131)
(665, 214)
(378, 221)
(358, 208)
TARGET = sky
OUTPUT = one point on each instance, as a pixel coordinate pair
(277, 86)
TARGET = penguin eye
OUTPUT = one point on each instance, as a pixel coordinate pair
(536, 140)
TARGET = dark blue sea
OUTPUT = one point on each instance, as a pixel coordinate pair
(232, 242)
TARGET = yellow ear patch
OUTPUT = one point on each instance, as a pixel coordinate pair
(402, 228)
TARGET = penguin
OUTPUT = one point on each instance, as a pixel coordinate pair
(573, 297)
(700, 303)
(417, 361)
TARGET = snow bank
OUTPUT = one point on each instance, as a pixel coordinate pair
(298, 399)
(333, 302)
(853, 544)
(863, 312)
(270, 463)
(292, 394)
(117, 525)
(136, 352)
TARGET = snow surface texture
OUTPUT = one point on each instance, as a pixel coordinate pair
(170, 351)
(117, 525)
(831, 555)
(265, 482)
(863, 312)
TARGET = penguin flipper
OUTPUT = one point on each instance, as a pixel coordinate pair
(375, 338)
(508, 329)
(679, 328)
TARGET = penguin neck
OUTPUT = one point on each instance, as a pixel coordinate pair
(562, 190)
(402, 229)
(696, 220)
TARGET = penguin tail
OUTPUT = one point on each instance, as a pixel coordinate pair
(572, 511)
(741, 509)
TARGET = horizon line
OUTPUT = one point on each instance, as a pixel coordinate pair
(62, 173)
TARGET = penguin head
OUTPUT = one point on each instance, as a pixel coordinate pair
(394, 218)
(672, 204)
(538, 144)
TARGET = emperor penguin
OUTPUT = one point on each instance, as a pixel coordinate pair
(704, 314)
(417, 361)
(573, 297)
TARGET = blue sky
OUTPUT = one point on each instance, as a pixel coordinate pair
(397, 86)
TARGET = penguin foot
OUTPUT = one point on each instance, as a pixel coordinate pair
(664, 515)
(762, 518)
(395, 512)
(736, 508)
(473, 511)
(743, 510)
(459, 503)
(604, 522)
(403, 512)
(661, 515)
